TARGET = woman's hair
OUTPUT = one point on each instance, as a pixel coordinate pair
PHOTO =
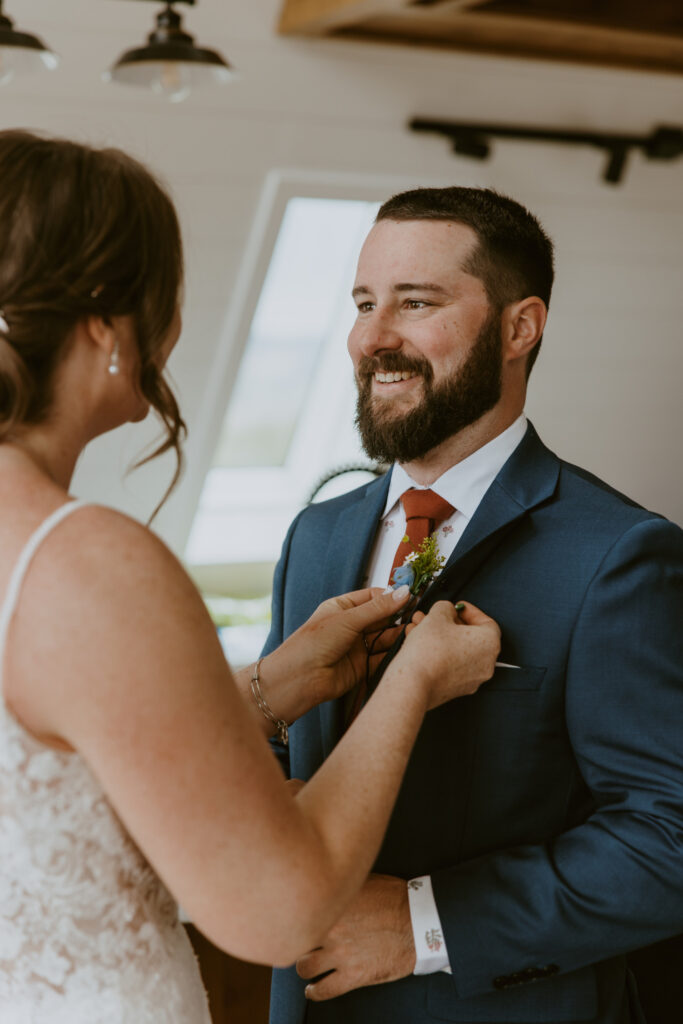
(83, 232)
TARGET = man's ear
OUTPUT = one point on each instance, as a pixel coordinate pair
(523, 325)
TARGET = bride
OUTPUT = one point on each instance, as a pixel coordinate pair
(133, 764)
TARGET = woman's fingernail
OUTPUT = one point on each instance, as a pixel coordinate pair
(460, 606)
(401, 592)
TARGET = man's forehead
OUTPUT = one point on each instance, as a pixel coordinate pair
(416, 251)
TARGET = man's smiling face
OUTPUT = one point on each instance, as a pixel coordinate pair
(426, 345)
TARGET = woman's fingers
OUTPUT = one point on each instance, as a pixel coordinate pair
(381, 640)
(444, 610)
(462, 612)
(471, 615)
(353, 599)
(374, 612)
(344, 601)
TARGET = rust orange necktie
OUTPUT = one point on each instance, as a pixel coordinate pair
(424, 511)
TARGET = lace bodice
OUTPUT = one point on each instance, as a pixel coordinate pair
(88, 933)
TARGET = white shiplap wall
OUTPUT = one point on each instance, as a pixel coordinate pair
(605, 392)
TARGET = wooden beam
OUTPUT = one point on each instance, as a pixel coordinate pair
(316, 17)
(456, 24)
(530, 37)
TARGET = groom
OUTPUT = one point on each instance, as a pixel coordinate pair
(537, 836)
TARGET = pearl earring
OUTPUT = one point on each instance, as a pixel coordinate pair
(113, 367)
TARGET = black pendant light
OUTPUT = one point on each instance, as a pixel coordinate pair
(171, 64)
(21, 53)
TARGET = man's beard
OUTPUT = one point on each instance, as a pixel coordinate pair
(445, 408)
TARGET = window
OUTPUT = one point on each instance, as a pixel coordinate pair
(290, 417)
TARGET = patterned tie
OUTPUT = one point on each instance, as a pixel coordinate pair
(424, 512)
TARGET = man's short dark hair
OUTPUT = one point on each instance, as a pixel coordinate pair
(514, 256)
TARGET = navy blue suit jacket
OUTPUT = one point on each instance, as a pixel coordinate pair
(547, 807)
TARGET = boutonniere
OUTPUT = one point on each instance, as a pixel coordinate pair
(419, 569)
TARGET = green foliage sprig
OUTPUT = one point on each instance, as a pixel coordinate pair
(426, 562)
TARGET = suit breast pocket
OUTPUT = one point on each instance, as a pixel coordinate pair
(512, 679)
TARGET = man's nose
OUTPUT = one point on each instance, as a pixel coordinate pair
(376, 334)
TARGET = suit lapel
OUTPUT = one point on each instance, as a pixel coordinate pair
(347, 556)
(351, 540)
(528, 478)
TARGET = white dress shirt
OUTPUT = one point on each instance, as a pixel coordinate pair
(463, 486)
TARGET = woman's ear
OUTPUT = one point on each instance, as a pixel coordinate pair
(101, 332)
(524, 325)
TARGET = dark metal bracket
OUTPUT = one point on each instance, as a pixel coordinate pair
(471, 139)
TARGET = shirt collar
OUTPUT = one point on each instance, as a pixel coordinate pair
(466, 483)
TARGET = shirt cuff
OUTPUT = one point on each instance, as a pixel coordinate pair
(430, 947)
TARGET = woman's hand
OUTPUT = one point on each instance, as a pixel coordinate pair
(329, 654)
(452, 650)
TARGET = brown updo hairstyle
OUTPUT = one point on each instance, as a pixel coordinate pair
(83, 232)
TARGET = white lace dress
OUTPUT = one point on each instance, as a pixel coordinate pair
(88, 933)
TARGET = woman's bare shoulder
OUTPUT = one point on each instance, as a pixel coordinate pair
(96, 578)
(107, 600)
(96, 543)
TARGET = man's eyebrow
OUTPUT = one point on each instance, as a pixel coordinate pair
(407, 286)
(360, 290)
(420, 286)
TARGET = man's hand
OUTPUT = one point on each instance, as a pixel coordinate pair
(370, 944)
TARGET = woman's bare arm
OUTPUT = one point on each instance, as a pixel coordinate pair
(130, 672)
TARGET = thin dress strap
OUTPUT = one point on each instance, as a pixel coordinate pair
(21, 567)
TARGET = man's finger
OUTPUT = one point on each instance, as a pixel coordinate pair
(329, 987)
(310, 965)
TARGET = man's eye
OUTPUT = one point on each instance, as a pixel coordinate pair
(416, 303)
(365, 307)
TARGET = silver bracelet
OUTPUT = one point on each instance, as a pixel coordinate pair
(263, 706)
